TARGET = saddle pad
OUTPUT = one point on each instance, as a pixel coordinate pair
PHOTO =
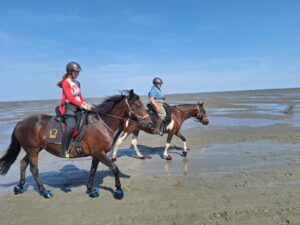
(54, 131)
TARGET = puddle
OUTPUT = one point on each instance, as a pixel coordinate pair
(228, 121)
(219, 159)
(213, 160)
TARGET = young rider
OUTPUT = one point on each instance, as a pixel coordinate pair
(71, 102)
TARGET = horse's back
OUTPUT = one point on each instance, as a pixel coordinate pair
(30, 131)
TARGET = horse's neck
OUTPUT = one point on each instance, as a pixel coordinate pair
(185, 111)
(115, 118)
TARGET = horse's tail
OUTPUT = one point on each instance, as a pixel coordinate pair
(11, 154)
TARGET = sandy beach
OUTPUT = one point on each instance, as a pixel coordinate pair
(242, 169)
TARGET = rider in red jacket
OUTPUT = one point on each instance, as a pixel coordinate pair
(71, 102)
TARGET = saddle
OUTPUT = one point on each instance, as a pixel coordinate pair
(56, 126)
(154, 116)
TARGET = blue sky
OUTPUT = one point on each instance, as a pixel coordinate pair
(193, 45)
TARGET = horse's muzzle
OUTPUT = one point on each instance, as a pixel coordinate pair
(205, 122)
(143, 124)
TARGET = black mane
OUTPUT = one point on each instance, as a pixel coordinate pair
(107, 105)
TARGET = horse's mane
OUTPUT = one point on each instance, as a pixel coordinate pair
(107, 105)
(182, 105)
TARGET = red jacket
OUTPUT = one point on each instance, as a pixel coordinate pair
(71, 93)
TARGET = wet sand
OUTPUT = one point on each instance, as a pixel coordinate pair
(243, 168)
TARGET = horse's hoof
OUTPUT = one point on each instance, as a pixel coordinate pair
(184, 153)
(142, 157)
(167, 157)
(18, 189)
(118, 194)
(94, 193)
(114, 158)
(47, 194)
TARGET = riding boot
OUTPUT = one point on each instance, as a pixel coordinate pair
(157, 129)
(66, 138)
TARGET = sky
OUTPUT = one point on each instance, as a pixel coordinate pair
(193, 45)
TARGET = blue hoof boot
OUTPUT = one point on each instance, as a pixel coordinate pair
(47, 194)
(94, 193)
(118, 194)
(18, 189)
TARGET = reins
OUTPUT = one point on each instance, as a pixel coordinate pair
(114, 116)
(131, 112)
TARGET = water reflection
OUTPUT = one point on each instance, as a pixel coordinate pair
(169, 169)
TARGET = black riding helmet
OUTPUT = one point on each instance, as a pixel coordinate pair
(157, 80)
(73, 66)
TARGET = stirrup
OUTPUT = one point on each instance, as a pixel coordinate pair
(66, 154)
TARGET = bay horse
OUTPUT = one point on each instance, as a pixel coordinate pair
(97, 141)
(179, 114)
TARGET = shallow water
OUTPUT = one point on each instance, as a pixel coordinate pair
(258, 108)
(213, 160)
(220, 159)
(228, 121)
(250, 109)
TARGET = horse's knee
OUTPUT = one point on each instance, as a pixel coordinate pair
(181, 136)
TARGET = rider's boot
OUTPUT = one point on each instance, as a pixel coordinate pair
(66, 138)
(157, 129)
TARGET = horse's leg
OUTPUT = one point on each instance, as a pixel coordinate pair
(92, 192)
(118, 193)
(117, 144)
(184, 152)
(134, 144)
(19, 189)
(33, 160)
(166, 156)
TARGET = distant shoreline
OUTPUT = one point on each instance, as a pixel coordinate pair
(167, 94)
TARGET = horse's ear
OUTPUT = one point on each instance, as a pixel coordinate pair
(131, 93)
(200, 103)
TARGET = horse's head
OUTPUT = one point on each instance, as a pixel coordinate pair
(123, 107)
(137, 110)
(201, 114)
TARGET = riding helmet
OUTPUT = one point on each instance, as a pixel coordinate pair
(73, 66)
(157, 80)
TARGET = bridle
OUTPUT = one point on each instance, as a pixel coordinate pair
(132, 113)
(198, 115)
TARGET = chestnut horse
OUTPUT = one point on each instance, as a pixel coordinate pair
(179, 113)
(97, 141)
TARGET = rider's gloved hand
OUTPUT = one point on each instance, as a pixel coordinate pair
(86, 106)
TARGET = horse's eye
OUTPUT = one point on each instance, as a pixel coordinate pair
(137, 106)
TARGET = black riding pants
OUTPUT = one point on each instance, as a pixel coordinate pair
(67, 135)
